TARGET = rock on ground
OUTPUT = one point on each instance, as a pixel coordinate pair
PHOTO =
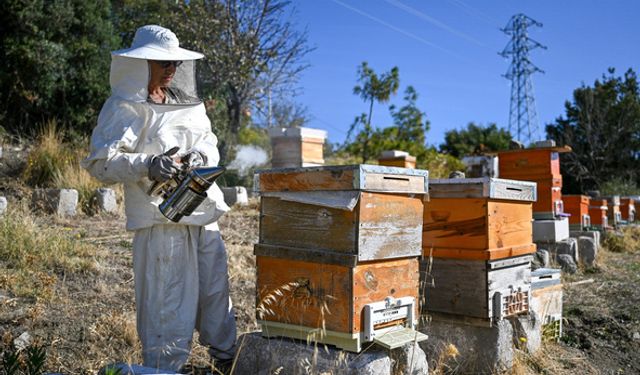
(264, 356)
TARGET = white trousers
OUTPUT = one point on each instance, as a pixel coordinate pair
(182, 284)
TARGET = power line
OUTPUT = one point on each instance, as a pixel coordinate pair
(522, 110)
(434, 21)
(394, 28)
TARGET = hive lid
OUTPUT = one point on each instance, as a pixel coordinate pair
(364, 177)
(484, 187)
(399, 337)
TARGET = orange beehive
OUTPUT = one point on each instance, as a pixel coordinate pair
(332, 240)
(478, 219)
(613, 213)
(539, 165)
(578, 207)
(628, 209)
(598, 213)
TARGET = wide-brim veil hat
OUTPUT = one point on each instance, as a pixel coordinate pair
(153, 42)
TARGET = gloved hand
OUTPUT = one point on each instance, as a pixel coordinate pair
(194, 159)
(163, 167)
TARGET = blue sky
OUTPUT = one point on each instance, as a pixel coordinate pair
(448, 50)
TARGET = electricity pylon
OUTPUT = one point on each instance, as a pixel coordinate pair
(522, 111)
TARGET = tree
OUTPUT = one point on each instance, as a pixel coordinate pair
(372, 88)
(55, 58)
(475, 139)
(602, 126)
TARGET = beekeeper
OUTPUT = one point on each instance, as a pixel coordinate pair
(180, 269)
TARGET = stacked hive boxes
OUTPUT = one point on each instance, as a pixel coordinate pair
(477, 237)
(542, 166)
(578, 207)
(628, 209)
(297, 147)
(613, 213)
(337, 258)
(598, 208)
(396, 158)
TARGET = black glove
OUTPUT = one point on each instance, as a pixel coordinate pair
(163, 167)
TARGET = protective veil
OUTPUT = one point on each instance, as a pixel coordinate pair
(180, 268)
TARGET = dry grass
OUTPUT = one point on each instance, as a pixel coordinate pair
(31, 256)
(55, 163)
(628, 241)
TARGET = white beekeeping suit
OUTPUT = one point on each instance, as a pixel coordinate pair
(181, 280)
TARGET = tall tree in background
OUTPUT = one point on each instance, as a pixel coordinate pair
(55, 57)
(371, 88)
(475, 139)
(602, 125)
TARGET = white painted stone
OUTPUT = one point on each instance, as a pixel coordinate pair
(588, 250)
(235, 195)
(22, 341)
(261, 356)
(62, 202)
(481, 350)
(3, 205)
(107, 201)
(550, 231)
(1, 151)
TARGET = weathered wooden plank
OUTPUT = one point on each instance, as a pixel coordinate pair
(510, 224)
(485, 187)
(309, 294)
(455, 223)
(307, 226)
(350, 177)
(457, 287)
(390, 226)
(479, 254)
(307, 255)
(467, 287)
(374, 281)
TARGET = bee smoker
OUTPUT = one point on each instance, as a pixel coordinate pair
(184, 193)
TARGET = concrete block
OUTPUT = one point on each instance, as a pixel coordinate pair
(235, 195)
(568, 247)
(550, 231)
(262, 356)
(62, 202)
(527, 331)
(107, 200)
(540, 259)
(567, 263)
(469, 348)
(3, 205)
(588, 250)
(594, 234)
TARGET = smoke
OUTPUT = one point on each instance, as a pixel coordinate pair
(248, 157)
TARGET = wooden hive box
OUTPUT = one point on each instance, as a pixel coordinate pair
(297, 147)
(628, 209)
(397, 159)
(300, 295)
(531, 164)
(546, 301)
(613, 213)
(578, 207)
(477, 290)
(332, 240)
(478, 218)
(598, 213)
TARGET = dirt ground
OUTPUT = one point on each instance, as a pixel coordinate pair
(89, 319)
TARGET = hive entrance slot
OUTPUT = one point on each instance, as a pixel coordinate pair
(395, 178)
(514, 189)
